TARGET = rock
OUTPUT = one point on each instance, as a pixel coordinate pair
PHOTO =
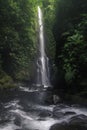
(59, 107)
(79, 119)
(62, 114)
(48, 97)
(45, 114)
(58, 115)
(56, 99)
(17, 121)
(78, 122)
(58, 126)
(69, 113)
(65, 126)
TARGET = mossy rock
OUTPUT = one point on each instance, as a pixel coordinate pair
(6, 82)
(22, 75)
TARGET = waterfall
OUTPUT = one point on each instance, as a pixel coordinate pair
(43, 78)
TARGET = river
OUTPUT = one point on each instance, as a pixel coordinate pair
(26, 109)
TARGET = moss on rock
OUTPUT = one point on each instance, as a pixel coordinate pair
(6, 81)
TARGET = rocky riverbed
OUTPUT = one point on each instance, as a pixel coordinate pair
(29, 109)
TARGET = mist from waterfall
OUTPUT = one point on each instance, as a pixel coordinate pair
(43, 78)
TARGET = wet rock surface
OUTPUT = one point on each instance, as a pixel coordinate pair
(68, 127)
(24, 113)
(62, 110)
(45, 114)
(78, 122)
(79, 119)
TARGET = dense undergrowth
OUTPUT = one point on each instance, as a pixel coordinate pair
(17, 39)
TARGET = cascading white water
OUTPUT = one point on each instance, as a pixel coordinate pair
(43, 61)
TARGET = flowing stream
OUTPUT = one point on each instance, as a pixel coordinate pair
(27, 109)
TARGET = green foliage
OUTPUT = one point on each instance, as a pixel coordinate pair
(70, 33)
(6, 81)
(17, 35)
(74, 56)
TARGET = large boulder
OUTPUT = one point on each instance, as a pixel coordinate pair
(68, 127)
(78, 122)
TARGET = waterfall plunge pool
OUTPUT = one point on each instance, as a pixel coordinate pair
(25, 109)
